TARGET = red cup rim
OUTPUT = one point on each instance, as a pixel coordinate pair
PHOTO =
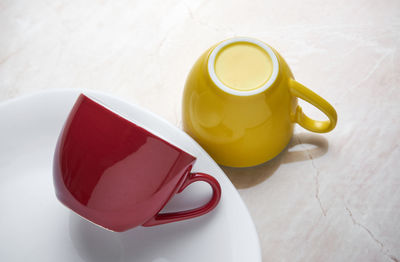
(125, 118)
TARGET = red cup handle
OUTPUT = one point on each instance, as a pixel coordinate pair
(164, 218)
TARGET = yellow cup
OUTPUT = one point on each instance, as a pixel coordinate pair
(240, 103)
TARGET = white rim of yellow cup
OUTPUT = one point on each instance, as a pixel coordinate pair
(223, 87)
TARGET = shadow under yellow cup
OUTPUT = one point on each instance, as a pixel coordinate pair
(240, 103)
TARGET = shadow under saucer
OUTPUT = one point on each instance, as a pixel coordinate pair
(250, 176)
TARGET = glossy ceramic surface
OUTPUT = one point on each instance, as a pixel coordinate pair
(117, 174)
(35, 225)
(246, 128)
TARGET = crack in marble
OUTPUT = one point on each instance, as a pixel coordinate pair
(316, 178)
(190, 12)
(202, 3)
(167, 34)
(163, 40)
(372, 236)
(374, 68)
(367, 76)
(5, 59)
(205, 24)
(317, 184)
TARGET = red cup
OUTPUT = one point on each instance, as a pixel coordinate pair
(119, 175)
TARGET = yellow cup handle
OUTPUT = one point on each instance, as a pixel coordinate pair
(306, 94)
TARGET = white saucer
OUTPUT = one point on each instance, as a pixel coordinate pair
(36, 227)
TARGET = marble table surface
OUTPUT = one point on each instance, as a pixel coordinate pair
(327, 197)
